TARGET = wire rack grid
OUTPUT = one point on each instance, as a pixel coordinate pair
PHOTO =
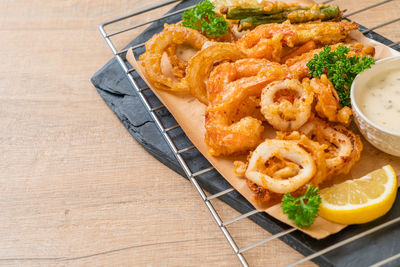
(179, 152)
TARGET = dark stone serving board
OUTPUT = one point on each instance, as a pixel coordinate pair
(112, 84)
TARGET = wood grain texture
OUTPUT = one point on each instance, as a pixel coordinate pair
(75, 187)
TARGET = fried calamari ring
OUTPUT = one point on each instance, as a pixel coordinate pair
(328, 100)
(201, 64)
(355, 153)
(157, 45)
(343, 146)
(315, 149)
(288, 150)
(178, 65)
(286, 104)
(261, 194)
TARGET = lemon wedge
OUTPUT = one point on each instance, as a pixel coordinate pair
(360, 200)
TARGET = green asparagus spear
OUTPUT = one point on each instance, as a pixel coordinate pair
(244, 12)
(321, 14)
(241, 12)
(296, 16)
(252, 22)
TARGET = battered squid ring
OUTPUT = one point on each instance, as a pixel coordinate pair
(178, 65)
(287, 112)
(355, 153)
(158, 44)
(344, 147)
(290, 151)
(201, 65)
(315, 149)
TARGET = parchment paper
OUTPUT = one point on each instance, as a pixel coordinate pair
(189, 113)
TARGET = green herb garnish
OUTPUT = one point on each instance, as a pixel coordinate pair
(340, 69)
(302, 210)
(203, 18)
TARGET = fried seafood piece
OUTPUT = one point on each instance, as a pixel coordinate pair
(343, 147)
(309, 46)
(228, 37)
(327, 100)
(286, 104)
(201, 65)
(267, 41)
(228, 72)
(233, 120)
(226, 138)
(261, 194)
(171, 36)
(298, 65)
(324, 33)
(178, 65)
(226, 132)
(315, 149)
(280, 166)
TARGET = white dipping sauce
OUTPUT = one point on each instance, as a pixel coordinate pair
(380, 100)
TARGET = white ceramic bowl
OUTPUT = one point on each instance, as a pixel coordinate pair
(386, 140)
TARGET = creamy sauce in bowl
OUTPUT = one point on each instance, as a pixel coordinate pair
(380, 100)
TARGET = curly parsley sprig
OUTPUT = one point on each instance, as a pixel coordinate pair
(340, 69)
(302, 210)
(203, 18)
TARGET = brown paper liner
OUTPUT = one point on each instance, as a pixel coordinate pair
(189, 113)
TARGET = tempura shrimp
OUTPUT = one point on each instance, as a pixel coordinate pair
(228, 72)
(226, 132)
(267, 41)
(233, 120)
(226, 138)
(286, 104)
(327, 104)
(267, 73)
(298, 65)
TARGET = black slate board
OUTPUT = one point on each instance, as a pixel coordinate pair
(113, 85)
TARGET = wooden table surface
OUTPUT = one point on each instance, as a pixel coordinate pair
(76, 188)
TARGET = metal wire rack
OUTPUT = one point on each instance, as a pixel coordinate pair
(178, 152)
